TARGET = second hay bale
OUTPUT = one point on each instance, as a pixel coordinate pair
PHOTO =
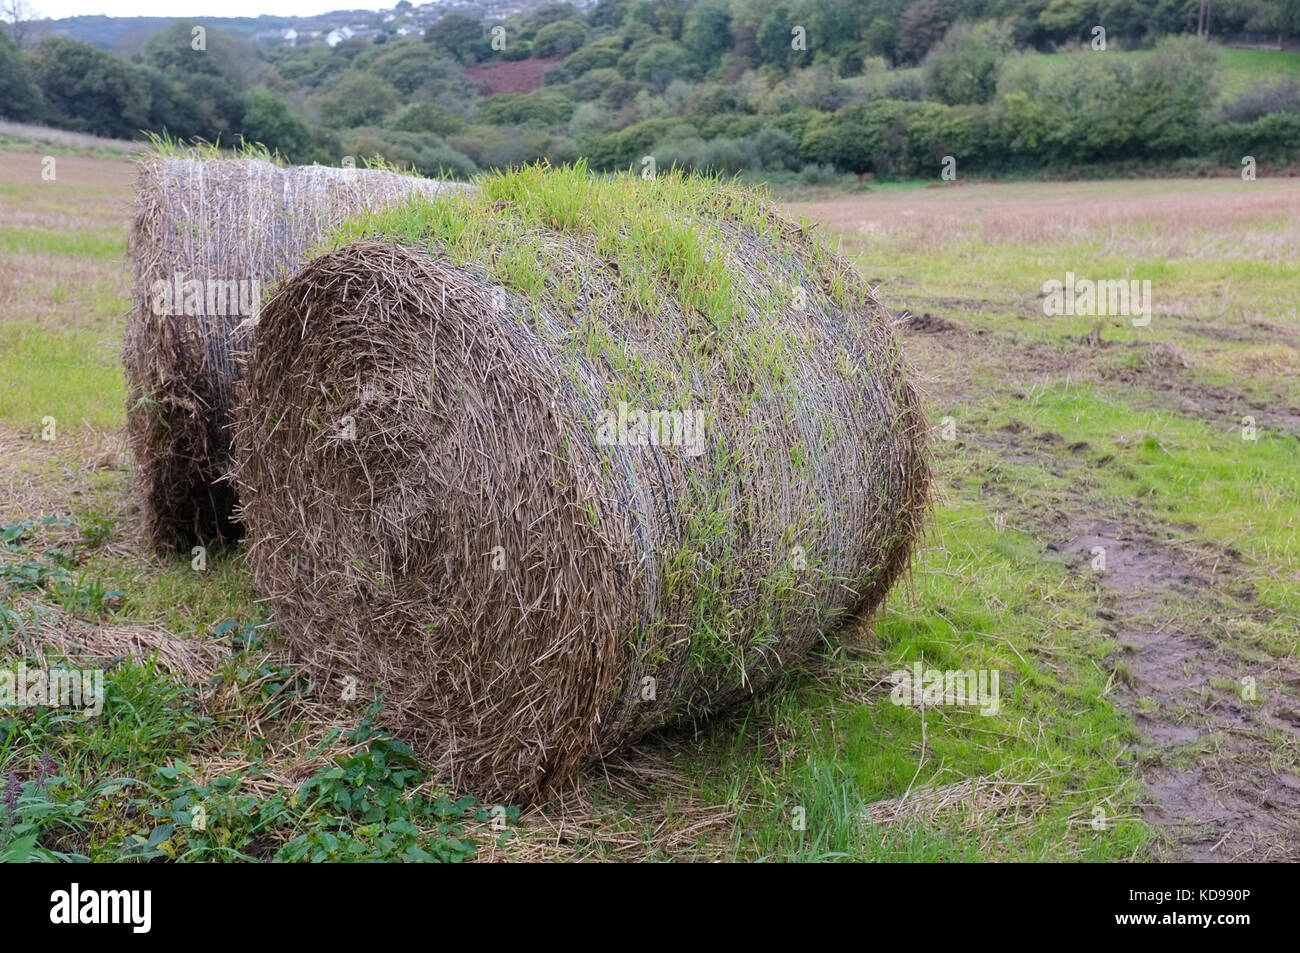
(207, 237)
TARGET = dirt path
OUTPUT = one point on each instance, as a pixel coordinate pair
(1214, 714)
(1218, 715)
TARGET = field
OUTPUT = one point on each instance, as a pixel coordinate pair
(1148, 709)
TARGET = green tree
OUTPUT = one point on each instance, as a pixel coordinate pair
(267, 120)
(560, 38)
(775, 149)
(1063, 19)
(90, 90)
(461, 36)
(774, 36)
(357, 99)
(176, 50)
(661, 63)
(963, 67)
(206, 79)
(593, 83)
(599, 54)
(553, 13)
(919, 27)
(207, 105)
(408, 65)
(867, 137)
(19, 97)
(707, 32)
(545, 107)
(428, 117)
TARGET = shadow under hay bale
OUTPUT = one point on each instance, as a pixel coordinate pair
(451, 491)
(208, 237)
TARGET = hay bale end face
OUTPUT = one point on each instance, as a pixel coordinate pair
(208, 237)
(565, 459)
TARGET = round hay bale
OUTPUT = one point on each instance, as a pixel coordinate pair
(207, 238)
(566, 459)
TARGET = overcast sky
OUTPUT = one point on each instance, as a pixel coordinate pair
(181, 9)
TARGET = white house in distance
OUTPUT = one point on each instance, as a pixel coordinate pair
(335, 37)
(289, 37)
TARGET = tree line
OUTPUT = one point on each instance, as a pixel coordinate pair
(810, 89)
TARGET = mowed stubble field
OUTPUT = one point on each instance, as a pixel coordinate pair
(1147, 711)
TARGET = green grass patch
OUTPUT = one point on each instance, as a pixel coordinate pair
(79, 243)
(74, 376)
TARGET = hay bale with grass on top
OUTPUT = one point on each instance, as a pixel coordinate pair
(470, 469)
(208, 237)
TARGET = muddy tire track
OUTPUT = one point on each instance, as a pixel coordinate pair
(1215, 716)
(1217, 754)
(948, 352)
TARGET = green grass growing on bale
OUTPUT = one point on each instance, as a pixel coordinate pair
(661, 239)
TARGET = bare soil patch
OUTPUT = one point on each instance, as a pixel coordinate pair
(517, 76)
(1210, 712)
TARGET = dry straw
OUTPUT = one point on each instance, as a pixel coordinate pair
(439, 504)
(234, 226)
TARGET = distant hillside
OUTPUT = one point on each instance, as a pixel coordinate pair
(786, 89)
(126, 34)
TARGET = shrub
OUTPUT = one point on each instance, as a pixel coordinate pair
(798, 122)
(776, 150)
(589, 119)
(935, 131)
(963, 67)
(599, 54)
(357, 99)
(868, 137)
(367, 143)
(267, 120)
(661, 63)
(443, 162)
(560, 38)
(592, 84)
(545, 107)
(1174, 90)
(730, 126)
(908, 87)
(407, 66)
(818, 174)
(619, 94)
(1263, 99)
(508, 147)
(709, 99)
(1106, 108)
(427, 117)
(1271, 138)
(556, 76)
(623, 149)
(721, 156)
